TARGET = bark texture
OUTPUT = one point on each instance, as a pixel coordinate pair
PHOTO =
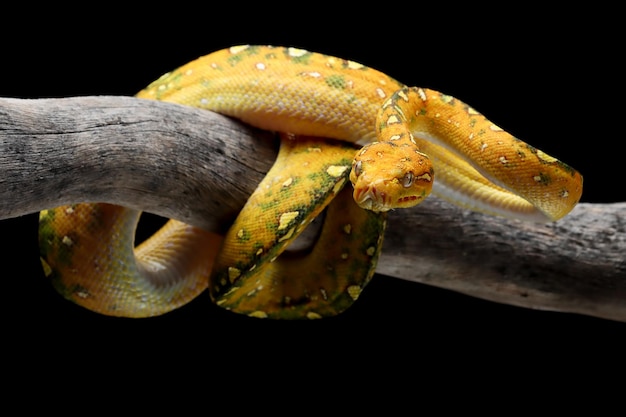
(200, 167)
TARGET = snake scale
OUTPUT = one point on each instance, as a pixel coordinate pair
(339, 122)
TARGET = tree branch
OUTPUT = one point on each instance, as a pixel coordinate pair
(200, 167)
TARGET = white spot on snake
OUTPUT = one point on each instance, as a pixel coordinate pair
(564, 194)
(286, 218)
(354, 291)
(355, 65)
(312, 74)
(312, 315)
(347, 229)
(67, 241)
(82, 293)
(258, 314)
(69, 210)
(395, 137)
(238, 48)
(324, 293)
(232, 290)
(447, 98)
(422, 94)
(344, 256)
(204, 101)
(259, 252)
(287, 182)
(403, 96)
(233, 273)
(260, 66)
(380, 93)
(495, 128)
(393, 119)
(296, 53)
(336, 171)
(483, 147)
(472, 111)
(471, 136)
(503, 160)
(189, 71)
(545, 157)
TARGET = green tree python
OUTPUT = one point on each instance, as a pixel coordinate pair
(338, 121)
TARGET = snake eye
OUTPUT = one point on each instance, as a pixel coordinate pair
(358, 168)
(407, 181)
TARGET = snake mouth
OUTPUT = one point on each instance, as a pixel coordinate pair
(369, 198)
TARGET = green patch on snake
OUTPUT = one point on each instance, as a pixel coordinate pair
(445, 98)
(162, 85)
(60, 248)
(251, 50)
(298, 56)
(352, 99)
(243, 235)
(542, 178)
(336, 81)
(234, 60)
(566, 167)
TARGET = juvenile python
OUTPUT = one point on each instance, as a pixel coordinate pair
(325, 108)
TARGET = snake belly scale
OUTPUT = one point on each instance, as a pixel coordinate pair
(339, 122)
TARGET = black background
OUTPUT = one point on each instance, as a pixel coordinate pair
(542, 75)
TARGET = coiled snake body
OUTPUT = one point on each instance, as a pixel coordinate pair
(413, 140)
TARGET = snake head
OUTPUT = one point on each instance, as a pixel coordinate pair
(389, 175)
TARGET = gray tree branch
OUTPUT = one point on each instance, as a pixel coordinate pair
(200, 167)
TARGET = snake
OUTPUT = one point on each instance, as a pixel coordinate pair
(338, 122)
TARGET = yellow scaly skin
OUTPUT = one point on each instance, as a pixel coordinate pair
(410, 134)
